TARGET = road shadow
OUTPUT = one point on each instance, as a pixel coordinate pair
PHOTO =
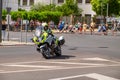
(63, 57)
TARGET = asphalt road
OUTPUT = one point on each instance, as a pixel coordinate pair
(85, 57)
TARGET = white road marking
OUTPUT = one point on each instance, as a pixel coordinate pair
(100, 59)
(96, 59)
(59, 68)
(74, 63)
(58, 61)
(33, 66)
(92, 75)
(85, 65)
(100, 77)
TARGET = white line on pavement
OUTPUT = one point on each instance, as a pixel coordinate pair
(74, 63)
(34, 66)
(57, 62)
(58, 68)
(95, 59)
(1, 70)
(92, 75)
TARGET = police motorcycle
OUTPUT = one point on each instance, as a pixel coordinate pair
(50, 47)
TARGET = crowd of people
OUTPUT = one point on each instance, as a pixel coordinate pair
(64, 27)
(92, 28)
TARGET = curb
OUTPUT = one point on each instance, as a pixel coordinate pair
(14, 43)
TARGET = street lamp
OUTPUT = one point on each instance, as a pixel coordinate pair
(0, 20)
(8, 19)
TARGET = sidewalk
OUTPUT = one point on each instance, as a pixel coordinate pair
(14, 43)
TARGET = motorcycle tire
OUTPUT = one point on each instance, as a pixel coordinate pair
(46, 53)
(58, 51)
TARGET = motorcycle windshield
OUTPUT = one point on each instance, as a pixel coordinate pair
(38, 32)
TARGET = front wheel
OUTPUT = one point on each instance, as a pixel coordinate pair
(58, 51)
(46, 53)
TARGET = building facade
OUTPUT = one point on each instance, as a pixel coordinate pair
(85, 5)
(26, 4)
(10, 3)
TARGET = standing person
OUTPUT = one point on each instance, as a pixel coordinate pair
(4, 26)
(107, 27)
(80, 27)
(84, 27)
(16, 26)
(100, 28)
(31, 25)
(114, 29)
(92, 27)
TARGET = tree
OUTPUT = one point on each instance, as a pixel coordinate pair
(4, 13)
(100, 7)
(41, 7)
(69, 7)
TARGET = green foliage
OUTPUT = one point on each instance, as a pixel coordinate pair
(41, 7)
(70, 7)
(16, 14)
(4, 13)
(20, 9)
(114, 7)
(34, 15)
(101, 6)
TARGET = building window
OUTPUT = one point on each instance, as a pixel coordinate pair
(60, 1)
(87, 1)
(24, 2)
(31, 2)
(79, 1)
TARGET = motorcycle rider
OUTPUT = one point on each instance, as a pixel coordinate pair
(47, 30)
(50, 32)
(44, 35)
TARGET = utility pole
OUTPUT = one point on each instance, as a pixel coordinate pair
(107, 12)
(101, 12)
(8, 17)
(107, 9)
(0, 20)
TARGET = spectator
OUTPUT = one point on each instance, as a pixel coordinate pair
(114, 29)
(61, 25)
(51, 24)
(4, 26)
(104, 29)
(92, 27)
(65, 28)
(80, 27)
(17, 26)
(99, 28)
(31, 25)
(84, 27)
